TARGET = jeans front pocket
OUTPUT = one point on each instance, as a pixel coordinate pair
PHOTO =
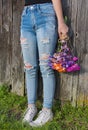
(47, 9)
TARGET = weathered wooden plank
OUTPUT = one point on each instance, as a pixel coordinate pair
(65, 78)
(17, 64)
(82, 51)
(1, 16)
(5, 53)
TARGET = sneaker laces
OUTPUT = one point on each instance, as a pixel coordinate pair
(28, 112)
(41, 115)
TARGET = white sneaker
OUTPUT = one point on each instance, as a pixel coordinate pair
(29, 114)
(43, 117)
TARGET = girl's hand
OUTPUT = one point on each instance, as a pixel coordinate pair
(63, 30)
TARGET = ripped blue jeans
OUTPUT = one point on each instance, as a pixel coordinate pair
(38, 38)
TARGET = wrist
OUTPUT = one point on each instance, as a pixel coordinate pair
(60, 18)
(61, 21)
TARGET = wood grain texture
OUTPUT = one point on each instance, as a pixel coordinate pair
(74, 86)
(11, 70)
(71, 87)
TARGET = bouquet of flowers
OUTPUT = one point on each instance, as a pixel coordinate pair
(63, 60)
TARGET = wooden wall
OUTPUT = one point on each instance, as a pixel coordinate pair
(73, 86)
(11, 71)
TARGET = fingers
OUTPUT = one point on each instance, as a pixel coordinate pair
(63, 31)
(63, 36)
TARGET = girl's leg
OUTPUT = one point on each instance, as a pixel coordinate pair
(47, 36)
(47, 42)
(29, 50)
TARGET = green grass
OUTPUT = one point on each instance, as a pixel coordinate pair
(12, 108)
